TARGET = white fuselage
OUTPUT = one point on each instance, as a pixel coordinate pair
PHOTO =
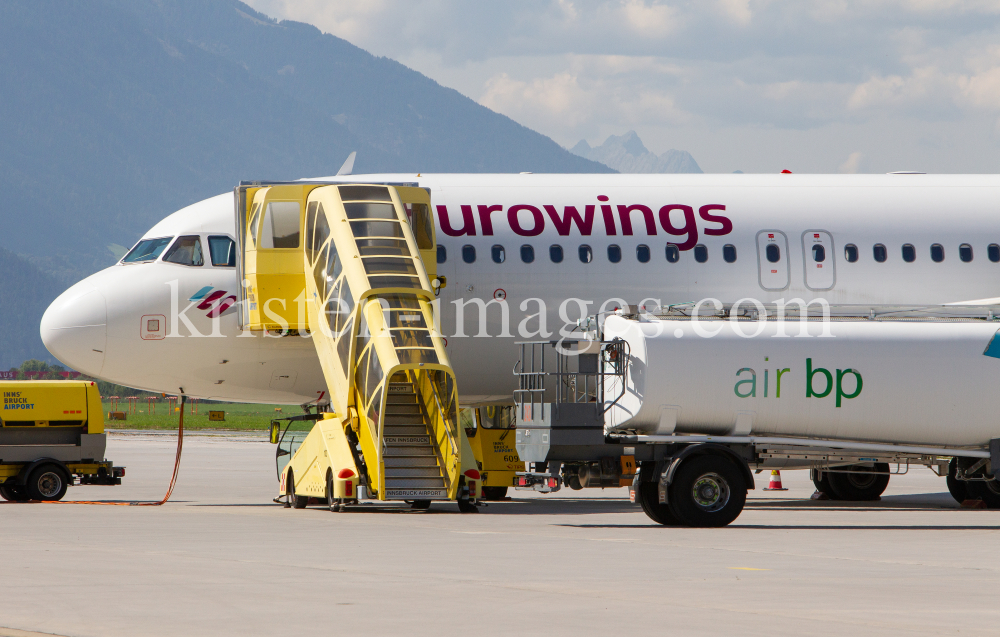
(99, 325)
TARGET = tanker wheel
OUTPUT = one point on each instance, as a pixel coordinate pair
(13, 493)
(959, 489)
(47, 483)
(420, 505)
(466, 506)
(863, 484)
(823, 485)
(986, 490)
(494, 493)
(648, 496)
(707, 491)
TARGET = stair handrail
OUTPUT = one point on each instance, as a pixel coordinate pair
(447, 426)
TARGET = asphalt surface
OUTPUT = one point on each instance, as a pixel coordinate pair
(222, 559)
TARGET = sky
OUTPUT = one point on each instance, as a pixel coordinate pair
(818, 86)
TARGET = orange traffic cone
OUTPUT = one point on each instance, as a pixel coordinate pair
(775, 483)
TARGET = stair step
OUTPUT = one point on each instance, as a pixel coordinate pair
(402, 410)
(401, 399)
(417, 494)
(408, 441)
(413, 483)
(412, 472)
(404, 419)
(410, 461)
(404, 430)
(412, 451)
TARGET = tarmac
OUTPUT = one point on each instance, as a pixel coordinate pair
(222, 559)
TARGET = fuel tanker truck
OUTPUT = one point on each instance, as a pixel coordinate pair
(684, 409)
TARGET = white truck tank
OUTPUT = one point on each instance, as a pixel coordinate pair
(920, 382)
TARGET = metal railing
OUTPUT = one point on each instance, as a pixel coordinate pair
(596, 363)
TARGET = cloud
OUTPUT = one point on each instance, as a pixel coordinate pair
(853, 164)
(897, 77)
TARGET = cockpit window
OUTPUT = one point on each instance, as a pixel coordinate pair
(185, 251)
(146, 250)
(223, 252)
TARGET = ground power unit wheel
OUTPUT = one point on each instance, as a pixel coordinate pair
(648, 496)
(707, 491)
(862, 483)
(331, 502)
(47, 483)
(494, 493)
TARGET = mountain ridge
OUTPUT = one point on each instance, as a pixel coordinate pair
(627, 154)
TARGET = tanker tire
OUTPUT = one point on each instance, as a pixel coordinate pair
(649, 500)
(47, 483)
(707, 491)
(494, 493)
(959, 489)
(858, 487)
(13, 493)
(823, 485)
(986, 490)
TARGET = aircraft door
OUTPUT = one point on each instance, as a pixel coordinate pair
(772, 259)
(819, 258)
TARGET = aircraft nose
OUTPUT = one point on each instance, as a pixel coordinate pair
(74, 328)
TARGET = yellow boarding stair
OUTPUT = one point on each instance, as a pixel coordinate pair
(353, 267)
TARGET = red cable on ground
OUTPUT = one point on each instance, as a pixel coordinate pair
(173, 479)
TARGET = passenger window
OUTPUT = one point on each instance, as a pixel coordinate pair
(442, 255)
(556, 253)
(527, 253)
(729, 253)
(499, 254)
(149, 249)
(772, 252)
(879, 252)
(992, 251)
(586, 254)
(673, 253)
(614, 253)
(909, 253)
(937, 253)
(223, 252)
(469, 253)
(851, 253)
(280, 226)
(701, 252)
(965, 253)
(642, 253)
(185, 251)
(819, 253)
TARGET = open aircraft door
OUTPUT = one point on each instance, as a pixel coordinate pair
(417, 202)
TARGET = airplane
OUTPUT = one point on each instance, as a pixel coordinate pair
(548, 249)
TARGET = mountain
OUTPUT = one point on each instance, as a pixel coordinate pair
(627, 154)
(115, 113)
(25, 291)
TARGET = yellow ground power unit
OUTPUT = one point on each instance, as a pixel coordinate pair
(51, 437)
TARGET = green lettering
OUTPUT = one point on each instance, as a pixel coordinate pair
(810, 372)
(840, 388)
(777, 388)
(751, 381)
